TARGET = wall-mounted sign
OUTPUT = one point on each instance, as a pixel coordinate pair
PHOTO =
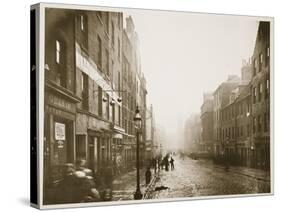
(60, 144)
(59, 131)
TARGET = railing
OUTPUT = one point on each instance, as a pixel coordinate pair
(151, 187)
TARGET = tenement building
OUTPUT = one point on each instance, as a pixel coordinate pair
(91, 72)
(236, 121)
(221, 99)
(98, 74)
(260, 87)
(134, 93)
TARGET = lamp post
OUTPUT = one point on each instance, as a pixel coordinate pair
(137, 120)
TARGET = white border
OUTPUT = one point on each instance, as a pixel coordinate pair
(40, 129)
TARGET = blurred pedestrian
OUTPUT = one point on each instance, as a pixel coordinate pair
(147, 176)
(166, 163)
(172, 163)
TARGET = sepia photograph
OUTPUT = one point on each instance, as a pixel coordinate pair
(150, 105)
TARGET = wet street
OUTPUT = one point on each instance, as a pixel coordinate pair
(197, 178)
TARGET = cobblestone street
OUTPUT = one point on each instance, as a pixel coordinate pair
(197, 178)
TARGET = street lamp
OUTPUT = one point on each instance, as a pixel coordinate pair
(137, 120)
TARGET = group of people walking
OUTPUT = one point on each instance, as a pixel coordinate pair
(160, 163)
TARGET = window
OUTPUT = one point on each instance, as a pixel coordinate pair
(260, 92)
(119, 20)
(254, 124)
(58, 52)
(99, 53)
(266, 94)
(84, 89)
(107, 62)
(248, 107)
(112, 70)
(266, 122)
(255, 67)
(254, 94)
(107, 22)
(260, 61)
(119, 115)
(99, 14)
(82, 22)
(119, 82)
(267, 56)
(100, 101)
(112, 33)
(119, 49)
(107, 106)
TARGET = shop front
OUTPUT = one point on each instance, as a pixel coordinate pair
(59, 141)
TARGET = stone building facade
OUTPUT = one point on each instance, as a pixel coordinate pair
(91, 91)
(241, 110)
(60, 93)
(260, 87)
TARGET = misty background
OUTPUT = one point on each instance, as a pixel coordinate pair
(184, 55)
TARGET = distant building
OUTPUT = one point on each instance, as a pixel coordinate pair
(221, 99)
(260, 88)
(207, 121)
(236, 126)
(151, 146)
(192, 134)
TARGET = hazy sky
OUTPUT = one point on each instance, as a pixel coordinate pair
(184, 55)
